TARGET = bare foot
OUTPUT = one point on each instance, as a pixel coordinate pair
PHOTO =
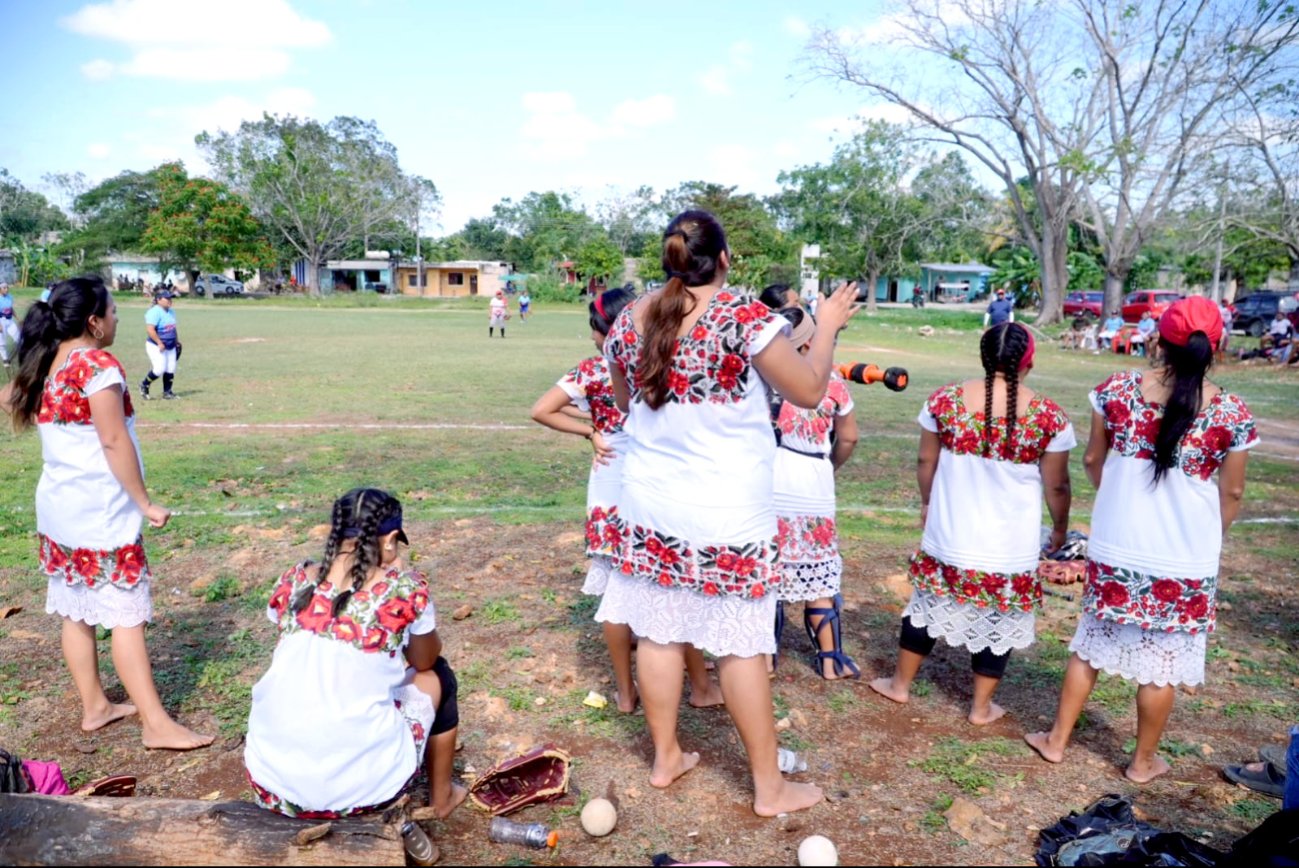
(1144, 773)
(884, 687)
(789, 798)
(627, 707)
(1041, 742)
(708, 698)
(444, 808)
(983, 718)
(100, 719)
(173, 736)
(667, 769)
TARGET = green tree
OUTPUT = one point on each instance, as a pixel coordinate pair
(113, 215)
(956, 212)
(25, 214)
(199, 225)
(599, 257)
(760, 252)
(543, 229)
(317, 186)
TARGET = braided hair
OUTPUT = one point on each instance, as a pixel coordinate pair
(356, 515)
(1002, 350)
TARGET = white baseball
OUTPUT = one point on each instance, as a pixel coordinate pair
(817, 850)
(599, 817)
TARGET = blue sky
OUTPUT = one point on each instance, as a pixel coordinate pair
(488, 99)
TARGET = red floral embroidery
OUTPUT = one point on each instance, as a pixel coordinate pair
(64, 400)
(807, 538)
(371, 621)
(1225, 423)
(590, 380)
(604, 531)
(809, 430)
(122, 566)
(711, 362)
(1153, 602)
(1005, 591)
(742, 571)
(962, 431)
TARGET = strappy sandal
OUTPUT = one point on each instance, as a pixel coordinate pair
(780, 628)
(829, 616)
(113, 785)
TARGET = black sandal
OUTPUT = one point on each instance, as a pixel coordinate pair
(828, 616)
(780, 628)
(1265, 780)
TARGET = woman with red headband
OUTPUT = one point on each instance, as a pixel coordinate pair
(1157, 528)
(982, 476)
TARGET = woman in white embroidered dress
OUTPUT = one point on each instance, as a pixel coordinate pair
(981, 488)
(358, 695)
(1152, 571)
(803, 497)
(690, 364)
(91, 501)
(589, 389)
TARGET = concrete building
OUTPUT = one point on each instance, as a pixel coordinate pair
(452, 279)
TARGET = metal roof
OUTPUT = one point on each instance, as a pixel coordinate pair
(968, 267)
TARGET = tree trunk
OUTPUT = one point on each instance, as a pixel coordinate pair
(1114, 280)
(313, 276)
(1054, 264)
(54, 830)
(873, 279)
(1293, 280)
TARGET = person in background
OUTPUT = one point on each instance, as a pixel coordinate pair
(498, 312)
(779, 296)
(525, 302)
(1279, 340)
(1144, 338)
(162, 345)
(91, 502)
(1228, 319)
(1073, 338)
(8, 324)
(1150, 598)
(1109, 331)
(981, 490)
(1000, 310)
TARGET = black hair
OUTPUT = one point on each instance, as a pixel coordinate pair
(1002, 349)
(612, 302)
(363, 509)
(1187, 366)
(774, 296)
(47, 324)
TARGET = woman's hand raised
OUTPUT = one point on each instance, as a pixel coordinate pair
(834, 312)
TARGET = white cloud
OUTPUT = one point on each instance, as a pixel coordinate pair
(786, 150)
(98, 150)
(198, 40)
(735, 164)
(97, 70)
(884, 111)
(897, 26)
(741, 55)
(228, 112)
(555, 128)
(716, 80)
(797, 27)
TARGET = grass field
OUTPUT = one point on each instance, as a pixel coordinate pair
(285, 403)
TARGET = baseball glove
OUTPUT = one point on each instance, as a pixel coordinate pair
(1061, 572)
(179, 349)
(540, 775)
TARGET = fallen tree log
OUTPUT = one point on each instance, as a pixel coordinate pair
(63, 830)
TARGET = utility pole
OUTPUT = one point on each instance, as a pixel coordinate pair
(1216, 291)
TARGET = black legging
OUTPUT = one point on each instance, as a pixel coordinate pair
(448, 710)
(918, 641)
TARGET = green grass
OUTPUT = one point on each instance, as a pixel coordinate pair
(224, 587)
(960, 762)
(499, 611)
(933, 821)
(1254, 811)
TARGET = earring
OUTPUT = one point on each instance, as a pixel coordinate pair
(389, 547)
(99, 335)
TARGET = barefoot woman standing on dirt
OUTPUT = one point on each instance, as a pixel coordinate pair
(988, 448)
(697, 563)
(91, 501)
(1157, 528)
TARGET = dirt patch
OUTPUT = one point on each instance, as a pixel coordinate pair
(891, 772)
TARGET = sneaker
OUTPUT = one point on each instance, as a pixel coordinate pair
(144, 394)
(169, 396)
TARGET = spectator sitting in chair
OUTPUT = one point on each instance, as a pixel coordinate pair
(1073, 338)
(1143, 341)
(1278, 343)
(1109, 331)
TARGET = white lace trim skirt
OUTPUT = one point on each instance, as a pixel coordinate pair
(803, 582)
(1144, 656)
(721, 626)
(597, 576)
(963, 625)
(105, 606)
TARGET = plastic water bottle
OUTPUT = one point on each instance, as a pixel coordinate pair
(790, 763)
(534, 835)
(1291, 799)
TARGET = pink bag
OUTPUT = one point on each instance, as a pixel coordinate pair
(47, 778)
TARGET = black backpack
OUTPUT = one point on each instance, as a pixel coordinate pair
(13, 777)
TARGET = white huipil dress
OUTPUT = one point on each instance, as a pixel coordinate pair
(1150, 598)
(975, 576)
(803, 497)
(698, 561)
(88, 526)
(591, 391)
(337, 725)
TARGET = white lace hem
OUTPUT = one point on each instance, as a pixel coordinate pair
(1144, 656)
(106, 606)
(597, 577)
(721, 626)
(964, 625)
(803, 582)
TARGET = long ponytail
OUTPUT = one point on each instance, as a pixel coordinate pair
(47, 324)
(1188, 366)
(692, 247)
